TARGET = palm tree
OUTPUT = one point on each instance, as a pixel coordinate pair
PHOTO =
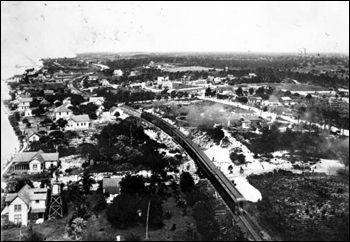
(87, 181)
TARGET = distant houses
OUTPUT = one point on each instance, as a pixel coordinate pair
(78, 122)
(117, 72)
(245, 121)
(34, 162)
(104, 83)
(286, 101)
(97, 100)
(24, 103)
(34, 136)
(62, 112)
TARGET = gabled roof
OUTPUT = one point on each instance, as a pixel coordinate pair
(26, 99)
(10, 197)
(94, 99)
(80, 118)
(114, 108)
(40, 155)
(62, 108)
(24, 194)
(34, 133)
(28, 194)
(24, 157)
(50, 156)
(44, 101)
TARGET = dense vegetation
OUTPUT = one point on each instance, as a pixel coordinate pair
(296, 208)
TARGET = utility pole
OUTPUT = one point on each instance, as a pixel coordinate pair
(130, 136)
(149, 202)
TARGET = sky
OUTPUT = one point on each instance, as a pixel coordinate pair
(53, 29)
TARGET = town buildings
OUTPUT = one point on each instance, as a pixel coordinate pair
(34, 162)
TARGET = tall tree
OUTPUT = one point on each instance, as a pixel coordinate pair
(132, 185)
(87, 181)
(186, 182)
(122, 213)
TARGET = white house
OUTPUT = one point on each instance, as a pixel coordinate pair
(113, 110)
(104, 83)
(97, 100)
(34, 162)
(28, 204)
(79, 122)
(24, 103)
(286, 100)
(33, 137)
(62, 112)
(118, 72)
(28, 113)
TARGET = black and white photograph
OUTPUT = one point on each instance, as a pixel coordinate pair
(174, 121)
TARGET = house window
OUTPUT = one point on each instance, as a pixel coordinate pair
(35, 167)
(18, 218)
(59, 113)
(37, 201)
(18, 208)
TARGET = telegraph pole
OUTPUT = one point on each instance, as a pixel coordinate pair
(149, 202)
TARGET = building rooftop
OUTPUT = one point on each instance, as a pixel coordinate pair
(286, 98)
(28, 194)
(111, 185)
(40, 155)
(80, 118)
(26, 99)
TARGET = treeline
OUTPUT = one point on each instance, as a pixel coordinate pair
(124, 95)
(302, 144)
(123, 145)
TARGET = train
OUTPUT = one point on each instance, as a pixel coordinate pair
(232, 197)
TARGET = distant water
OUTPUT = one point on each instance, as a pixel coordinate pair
(9, 141)
(14, 62)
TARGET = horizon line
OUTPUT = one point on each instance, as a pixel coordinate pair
(221, 52)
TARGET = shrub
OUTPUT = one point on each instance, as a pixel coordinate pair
(8, 225)
(186, 182)
(237, 157)
(92, 235)
(32, 235)
(132, 237)
(100, 204)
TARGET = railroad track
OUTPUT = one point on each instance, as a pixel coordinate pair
(229, 194)
(251, 227)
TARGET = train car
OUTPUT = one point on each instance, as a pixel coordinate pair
(222, 184)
